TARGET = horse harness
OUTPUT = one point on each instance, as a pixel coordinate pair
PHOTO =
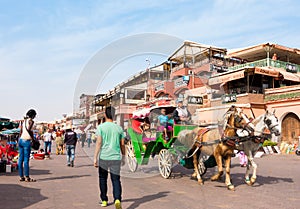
(229, 141)
(199, 143)
(236, 140)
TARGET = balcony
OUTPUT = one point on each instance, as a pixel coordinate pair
(290, 67)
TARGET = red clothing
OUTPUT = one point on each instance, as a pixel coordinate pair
(59, 133)
(7, 150)
(4, 149)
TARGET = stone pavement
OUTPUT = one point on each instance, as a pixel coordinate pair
(57, 186)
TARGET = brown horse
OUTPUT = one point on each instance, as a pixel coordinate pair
(212, 141)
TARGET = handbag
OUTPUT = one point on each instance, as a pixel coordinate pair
(35, 144)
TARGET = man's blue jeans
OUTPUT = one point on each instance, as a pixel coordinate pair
(48, 147)
(24, 154)
(70, 153)
(114, 166)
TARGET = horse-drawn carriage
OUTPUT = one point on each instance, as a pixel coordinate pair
(187, 142)
(146, 143)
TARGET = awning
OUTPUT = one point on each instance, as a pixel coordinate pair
(141, 113)
(11, 131)
(290, 76)
(266, 71)
(223, 78)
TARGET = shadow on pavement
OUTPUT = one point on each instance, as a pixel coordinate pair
(238, 179)
(86, 165)
(63, 177)
(148, 198)
(82, 156)
(15, 196)
(33, 172)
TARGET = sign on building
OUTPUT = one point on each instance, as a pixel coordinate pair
(180, 82)
(219, 69)
(160, 87)
(227, 98)
(291, 68)
(195, 100)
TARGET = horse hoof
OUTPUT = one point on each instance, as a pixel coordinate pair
(252, 181)
(248, 182)
(230, 187)
(200, 182)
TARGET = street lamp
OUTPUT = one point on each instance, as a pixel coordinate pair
(148, 80)
(148, 60)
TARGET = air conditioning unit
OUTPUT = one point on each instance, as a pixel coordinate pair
(190, 72)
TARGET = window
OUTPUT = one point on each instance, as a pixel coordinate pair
(135, 94)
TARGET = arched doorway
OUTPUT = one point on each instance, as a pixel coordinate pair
(290, 128)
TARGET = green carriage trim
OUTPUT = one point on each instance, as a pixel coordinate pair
(178, 128)
(142, 155)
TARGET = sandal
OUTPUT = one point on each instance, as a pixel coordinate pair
(28, 179)
(22, 179)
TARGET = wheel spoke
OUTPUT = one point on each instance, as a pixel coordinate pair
(165, 163)
(131, 160)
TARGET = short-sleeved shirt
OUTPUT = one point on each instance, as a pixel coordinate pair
(88, 135)
(47, 137)
(111, 136)
(163, 119)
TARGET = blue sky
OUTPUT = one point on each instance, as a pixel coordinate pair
(44, 45)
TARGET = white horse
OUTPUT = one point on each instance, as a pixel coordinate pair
(250, 145)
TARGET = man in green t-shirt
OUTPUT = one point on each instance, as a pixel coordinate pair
(109, 155)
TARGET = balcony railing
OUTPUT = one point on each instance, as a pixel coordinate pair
(268, 62)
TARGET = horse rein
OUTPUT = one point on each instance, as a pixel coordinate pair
(268, 123)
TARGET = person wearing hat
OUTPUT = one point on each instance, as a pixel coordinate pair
(181, 114)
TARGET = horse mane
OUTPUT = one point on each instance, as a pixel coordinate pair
(227, 117)
(258, 119)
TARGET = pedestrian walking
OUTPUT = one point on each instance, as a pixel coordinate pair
(70, 140)
(93, 137)
(59, 142)
(48, 137)
(82, 139)
(243, 159)
(24, 144)
(89, 138)
(110, 145)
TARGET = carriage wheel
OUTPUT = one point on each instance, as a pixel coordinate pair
(165, 163)
(130, 157)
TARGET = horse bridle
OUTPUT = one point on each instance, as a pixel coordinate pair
(246, 127)
(268, 123)
(238, 119)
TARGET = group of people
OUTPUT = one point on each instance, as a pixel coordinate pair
(69, 139)
(89, 137)
(181, 115)
(64, 139)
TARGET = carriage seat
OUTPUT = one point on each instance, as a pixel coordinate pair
(148, 139)
(161, 128)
